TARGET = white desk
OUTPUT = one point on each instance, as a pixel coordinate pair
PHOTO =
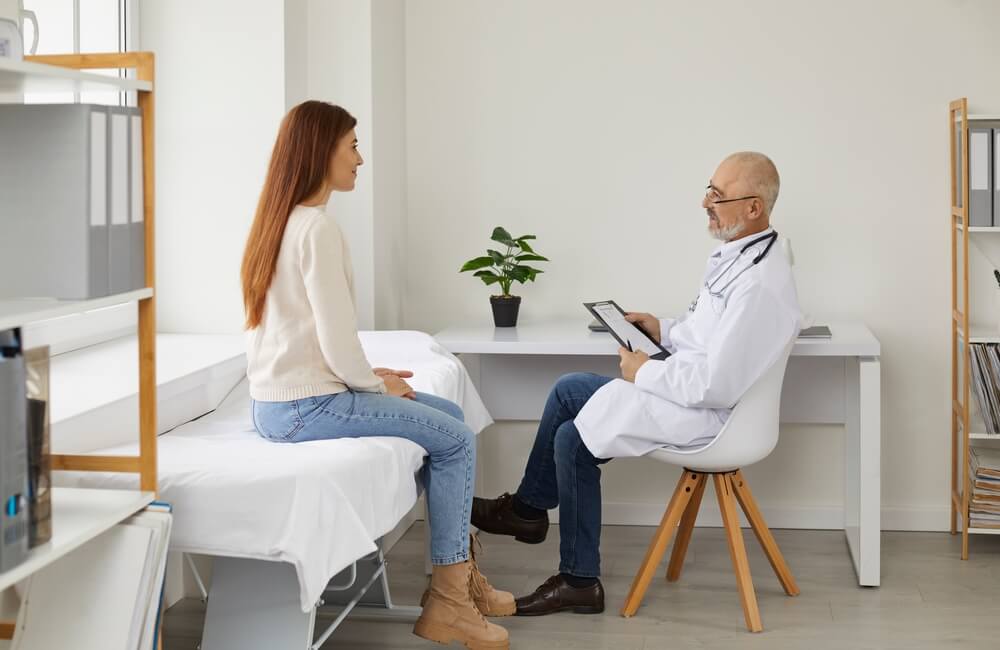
(828, 381)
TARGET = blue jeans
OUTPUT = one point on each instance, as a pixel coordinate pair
(434, 423)
(562, 472)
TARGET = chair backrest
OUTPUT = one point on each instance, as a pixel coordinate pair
(750, 433)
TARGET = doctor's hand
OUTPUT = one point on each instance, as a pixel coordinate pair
(382, 372)
(397, 387)
(650, 324)
(631, 362)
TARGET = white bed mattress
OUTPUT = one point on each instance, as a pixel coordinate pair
(317, 505)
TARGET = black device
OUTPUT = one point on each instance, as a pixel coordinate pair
(629, 335)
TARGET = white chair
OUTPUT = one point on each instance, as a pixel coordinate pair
(748, 436)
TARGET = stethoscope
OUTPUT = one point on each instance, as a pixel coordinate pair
(718, 293)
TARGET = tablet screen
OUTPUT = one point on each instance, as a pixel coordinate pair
(625, 330)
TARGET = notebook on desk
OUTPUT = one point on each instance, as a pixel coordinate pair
(816, 332)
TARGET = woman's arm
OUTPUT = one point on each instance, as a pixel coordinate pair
(332, 303)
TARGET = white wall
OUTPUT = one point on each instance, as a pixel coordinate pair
(220, 95)
(596, 125)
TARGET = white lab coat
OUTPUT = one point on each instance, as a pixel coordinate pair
(718, 351)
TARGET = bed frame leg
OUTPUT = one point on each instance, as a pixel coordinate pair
(255, 604)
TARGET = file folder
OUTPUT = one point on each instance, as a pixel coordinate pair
(980, 173)
(137, 226)
(119, 229)
(53, 194)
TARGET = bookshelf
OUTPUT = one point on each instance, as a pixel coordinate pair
(80, 515)
(973, 320)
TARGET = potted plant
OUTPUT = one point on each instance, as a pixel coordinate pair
(505, 269)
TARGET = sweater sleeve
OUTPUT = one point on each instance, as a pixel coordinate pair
(332, 304)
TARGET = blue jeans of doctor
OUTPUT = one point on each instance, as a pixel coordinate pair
(434, 423)
(562, 472)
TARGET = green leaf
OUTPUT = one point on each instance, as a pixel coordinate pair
(502, 236)
(477, 263)
(531, 258)
(525, 246)
(520, 273)
(486, 274)
(489, 281)
(497, 256)
(523, 237)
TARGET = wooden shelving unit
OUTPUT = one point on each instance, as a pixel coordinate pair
(967, 424)
(79, 515)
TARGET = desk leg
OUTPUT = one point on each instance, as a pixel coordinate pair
(863, 458)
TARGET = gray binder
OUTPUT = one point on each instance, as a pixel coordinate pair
(53, 176)
(119, 226)
(137, 227)
(980, 173)
(996, 176)
(13, 454)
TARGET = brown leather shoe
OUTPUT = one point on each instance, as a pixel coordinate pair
(556, 595)
(497, 516)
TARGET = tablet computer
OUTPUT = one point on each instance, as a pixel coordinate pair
(629, 335)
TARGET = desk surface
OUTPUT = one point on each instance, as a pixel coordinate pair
(850, 339)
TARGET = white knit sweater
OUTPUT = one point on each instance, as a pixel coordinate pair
(307, 342)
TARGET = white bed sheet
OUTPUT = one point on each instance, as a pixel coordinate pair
(317, 505)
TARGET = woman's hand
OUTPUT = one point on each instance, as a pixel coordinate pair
(647, 322)
(382, 372)
(395, 386)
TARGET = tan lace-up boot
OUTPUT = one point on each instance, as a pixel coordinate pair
(450, 615)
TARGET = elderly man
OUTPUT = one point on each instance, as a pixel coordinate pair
(745, 314)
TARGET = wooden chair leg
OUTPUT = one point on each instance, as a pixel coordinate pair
(756, 519)
(685, 530)
(658, 545)
(737, 551)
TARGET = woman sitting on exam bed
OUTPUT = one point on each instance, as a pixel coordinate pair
(310, 380)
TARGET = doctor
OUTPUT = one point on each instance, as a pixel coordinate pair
(745, 314)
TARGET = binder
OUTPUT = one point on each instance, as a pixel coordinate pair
(137, 226)
(119, 233)
(996, 176)
(980, 173)
(53, 184)
(98, 231)
(13, 453)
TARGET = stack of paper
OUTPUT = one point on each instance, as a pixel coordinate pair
(106, 594)
(984, 507)
(986, 383)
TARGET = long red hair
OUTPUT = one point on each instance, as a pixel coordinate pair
(300, 160)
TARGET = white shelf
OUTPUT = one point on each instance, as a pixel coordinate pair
(983, 116)
(78, 516)
(973, 229)
(983, 333)
(21, 311)
(20, 77)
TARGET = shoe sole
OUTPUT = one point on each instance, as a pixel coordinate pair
(569, 608)
(445, 636)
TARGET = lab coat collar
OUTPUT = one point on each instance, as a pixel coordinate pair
(732, 249)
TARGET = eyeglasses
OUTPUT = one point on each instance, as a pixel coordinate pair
(715, 198)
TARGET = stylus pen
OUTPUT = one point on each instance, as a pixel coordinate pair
(629, 343)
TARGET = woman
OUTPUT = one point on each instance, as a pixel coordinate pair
(310, 380)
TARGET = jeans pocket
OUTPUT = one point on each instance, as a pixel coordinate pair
(278, 421)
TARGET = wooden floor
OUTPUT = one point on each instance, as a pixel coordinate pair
(929, 599)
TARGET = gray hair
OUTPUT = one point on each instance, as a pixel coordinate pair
(761, 176)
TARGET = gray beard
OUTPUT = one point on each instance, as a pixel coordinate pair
(726, 234)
